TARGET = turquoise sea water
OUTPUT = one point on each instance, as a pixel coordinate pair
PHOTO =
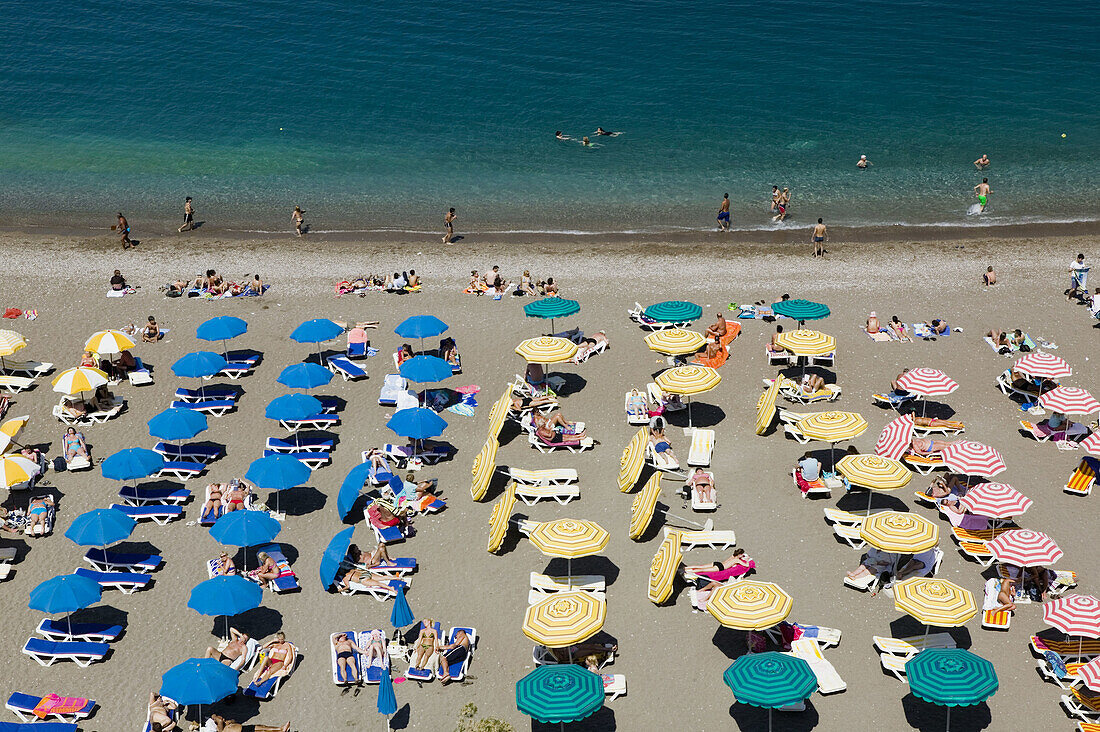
(378, 116)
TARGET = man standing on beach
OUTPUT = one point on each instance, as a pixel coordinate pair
(449, 225)
(124, 229)
(188, 216)
(982, 191)
(820, 235)
(1078, 279)
(724, 214)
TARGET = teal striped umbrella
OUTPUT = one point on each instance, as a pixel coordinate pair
(951, 677)
(674, 311)
(801, 310)
(549, 308)
(770, 680)
(559, 693)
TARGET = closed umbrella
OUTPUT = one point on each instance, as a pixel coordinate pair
(483, 469)
(500, 517)
(632, 460)
(663, 568)
(896, 438)
(951, 677)
(765, 407)
(387, 701)
(498, 414)
(550, 308)
(674, 311)
(559, 693)
(643, 507)
(770, 680)
(402, 614)
(334, 555)
(304, 376)
(564, 618)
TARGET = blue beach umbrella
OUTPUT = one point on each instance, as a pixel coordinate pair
(177, 424)
(674, 311)
(425, 369)
(316, 331)
(421, 326)
(402, 614)
(245, 528)
(198, 681)
(199, 364)
(65, 593)
(387, 700)
(334, 555)
(131, 464)
(225, 595)
(222, 328)
(293, 407)
(100, 527)
(352, 486)
(277, 473)
(304, 376)
(417, 424)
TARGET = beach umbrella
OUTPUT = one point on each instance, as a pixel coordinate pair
(632, 460)
(316, 331)
(425, 369)
(1090, 443)
(564, 618)
(687, 381)
(674, 311)
(973, 458)
(277, 473)
(927, 382)
(1069, 400)
(131, 464)
(417, 424)
(663, 568)
(402, 614)
(568, 538)
(896, 438)
(293, 407)
(899, 533)
(801, 310)
(421, 326)
(1024, 548)
(995, 500)
(108, 342)
(100, 527)
(1089, 674)
(500, 518)
(550, 308)
(643, 506)
(198, 364)
(483, 469)
(1077, 615)
(675, 342)
(874, 473)
(386, 703)
(11, 342)
(832, 427)
(559, 693)
(1043, 365)
(16, 469)
(10, 429)
(225, 595)
(499, 413)
(177, 424)
(765, 407)
(65, 593)
(198, 681)
(935, 601)
(222, 328)
(334, 555)
(352, 487)
(951, 677)
(806, 342)
(547, 349)
(245, 528)
(770, 680)
(79, 379)
(304, 376)
(750, 605)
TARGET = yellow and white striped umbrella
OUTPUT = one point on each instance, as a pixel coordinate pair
(108, 342)
(79, 379)
(750, 605)
(500, 518)
(662, 571)
(688, 380)
(806, 342)
(630, 464)
(832, 426)
(485, 464)
(935, 601)
(765, 407)
(10, 342)
(874, 471)
(10, 430)
(899, 533)
(547, 349)
(569, 538)
(16, 469)
(499, 413)
(641, 510)
(564, 618)
(675, 342)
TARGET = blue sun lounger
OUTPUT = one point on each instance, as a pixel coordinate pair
(139, 496)
(160, 514)
(338, 676)
(62, 630)
(397, 569)
(388, 534)
(302, 444)
(38, 726)
(127, 582)
(23, 705)
(217, 392)
(287, 581)
(192, 453)
(458, 670)
(236, 369)
(345, 367)
(311, 460)
(108, 561)
(269, 688)
(319, 422)
(48, 652)
(214, 407)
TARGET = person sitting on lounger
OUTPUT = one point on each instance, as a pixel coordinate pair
(1037, 582)
(426, 644)
(267, 571)
(811, 384)
(948, 488)
(588, 346)
(279, 656)
(238, 645)
(448, 351)
(809, 467)
(700, 482)
(380, 557)
(345, 656)
(928, 445)
(718, 329)
(712, 350)
(451, 653)
(899, 329)
(411, 489)
(920, 565)
(898, 390)
(73, 444)
(1006, 596)
(872, 325)
(88, 360)
(554, 428)
(221, 724)
(37, 513)
(235, 496)
(384, 514)
(213, 507)
(772, 345)
(404, 354)
(737, 564)
(159, 718)
(875, 563)
(223, 565)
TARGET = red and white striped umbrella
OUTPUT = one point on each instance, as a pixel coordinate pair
(1090, 674)
(895, 438)
(1074, 615)
(927, 382)
(1043, 365)
(1024, 548)
(972, 458)
(995, 500)
(1069, 400)
(1091, 443)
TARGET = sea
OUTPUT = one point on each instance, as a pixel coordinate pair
(380, 116)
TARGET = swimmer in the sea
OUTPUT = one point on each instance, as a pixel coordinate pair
(561, 136)
(982, 163)
(982, 191)
(585, 141)
(602, 131)
(864, 163)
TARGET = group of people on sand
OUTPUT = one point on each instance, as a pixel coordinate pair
(494, 283)
(212, 284)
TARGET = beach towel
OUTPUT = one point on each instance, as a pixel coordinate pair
(12, 313)
(880, 337)
(30, 314)
(718, 360)
(992, 589)
(468, 389)
(116, 293)
(999, 350)
(54, 704)
(464, 407)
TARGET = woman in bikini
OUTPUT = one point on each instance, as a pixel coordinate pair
(279, 655)
(212, 509)
(87, 360)
(73, 444)
(37, 513)
(701, 483)
(552, 428)
(267, 571)
(376, 648)
(426, 644)
(899, 329)
(365, 577)
(928, 445)
(738, 559)
(345, 657)
(223, 566)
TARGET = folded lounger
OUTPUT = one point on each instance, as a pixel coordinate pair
(345, 367)
(139, 496)
(23, 705)
(912, 645)
(392, 385)
(159, 514)
(181, 469)
(828, 680)
(190, 453)
(109, 561)
(29, 368)
(48, 652)
(127, 582)
(16, 384)
(62, 630)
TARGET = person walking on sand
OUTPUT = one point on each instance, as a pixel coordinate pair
(123, 227)
(449, 225)
(982, 163)
(298, 219)
(724, 214)
(982, 191)
(188, 216)
(1078, 278)
(819, 237)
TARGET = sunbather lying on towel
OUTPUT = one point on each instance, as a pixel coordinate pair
(345, 656)
(451, 653)
(737, 564)
(938, 327)
(267, 571)
(588, 345)
(700, 482)
(238, 644)
(899, 329)
(72, 442)
(159, 719)
(223, 565)
(221, 724)
(426, 644)
(37, 514)
(279, 655)
(555, 428)
(928, 445)
(875, 563)
(1002, 338)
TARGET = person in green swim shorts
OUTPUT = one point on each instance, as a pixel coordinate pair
(982, 191)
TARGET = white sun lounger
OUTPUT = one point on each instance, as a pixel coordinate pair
(778, 358)
(702, 445)
(16, 384)
(552, 476)
(836, 516)
(126, 582)
(547, 584)
(614, 686)
(850, 534)
(719, 539)
(63, 630)
(828, 680)
(574, 446)
(29, 368)
(532, 494)
(158, 514)
(637, 408)
(698, 504)
(378, 593)
(214, 407)
(895, 665)
(824, 637)
(911, 646)
(866, 583)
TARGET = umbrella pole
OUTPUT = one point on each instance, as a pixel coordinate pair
(769, 719)
(947, 727)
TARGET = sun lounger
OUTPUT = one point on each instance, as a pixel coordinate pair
(38, 726)
(893, 400)
(701, 504)
(23, 706)
(959, 534)
(126, 582)
(196, 453)
(345, 367)
(312, 460)
(821, 487)
(702, 445)
(235, 370)
(28, 368)
(542, 656)
(318, 422)
(664, 461)
(923, 464)
(866, 583)
(794, 433)
(287, 581)
(1073, 648)
(356, 661)
(387, 534)
(1042, 433)
(62, 630)
(373, 673)
(430, 452)
(1005, 384)
(532, 494)
(712, 539)
(62, 415)
(895, 665)
(778, 358)
(48, 652)
(637, 408)
(215, 392)
(1058, 670)
(16, 384)
(51, 513)
(824, 359)
(1082, 480)
(1088, 727)
(828, 680)
(427, 673)
(849, 533)
(158, 514)
(792, 392)
(996, 619)
(181, 469)
(947, 428)
(824, 637)
(638, 316)
(392, 385)
(378, 593)
(568, 443)
(836, 516)
(209, 407)
(173, 714)
(270, 688)
(550, 477)
(545, 584)
(908, 647)
(977, 551)
(109, 561)
(400, 567)
(300, 444)
(139, 376)
(1082, 704)
(458, 670)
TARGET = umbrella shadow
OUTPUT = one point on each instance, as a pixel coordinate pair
(243, 353)
(135, 547)
(401, 718)
(927, 717)
(22, 547)
(599, 565)
(794, 373)
(732, 643)
(906, 625)
(602, 721)
(338, 404)
(880, 501)
(747, 716)
(101, 614)
(497, 484)
(573, 383)
(653, 530)
(702, 415)
(510, 431)
(929, 408)
(299, 501)
(513, 536)
(259, 622)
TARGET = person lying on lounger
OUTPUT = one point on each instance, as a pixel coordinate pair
(221, 724)
(279, 655)
(376, 648)
(920, 565)
(159, 719)
(899, 390)
(947, 489)
(1023, 382)
(365, 577)
(812, 383)
(658, 443)
(554, 428)
(928, 445)
(345, 656)
(589, 655)
(875, 563)
(700, 482)
(384, 514)
(737, 564)
(426, 644)
(267, 571)
(238, 645)
(378, 558)
(213, 506)
(37, 513)
(588, 346)
(520, 402)
(236, 496)
(452, 653)
(1006, 596)
(72, 442)
(223, 565)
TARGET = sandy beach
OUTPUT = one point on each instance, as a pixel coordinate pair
(673, 659)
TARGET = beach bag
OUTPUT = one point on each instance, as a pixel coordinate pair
(756, 642)
(59, 464)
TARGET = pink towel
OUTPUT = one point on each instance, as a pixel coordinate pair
(54, 704)
(471, 389)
